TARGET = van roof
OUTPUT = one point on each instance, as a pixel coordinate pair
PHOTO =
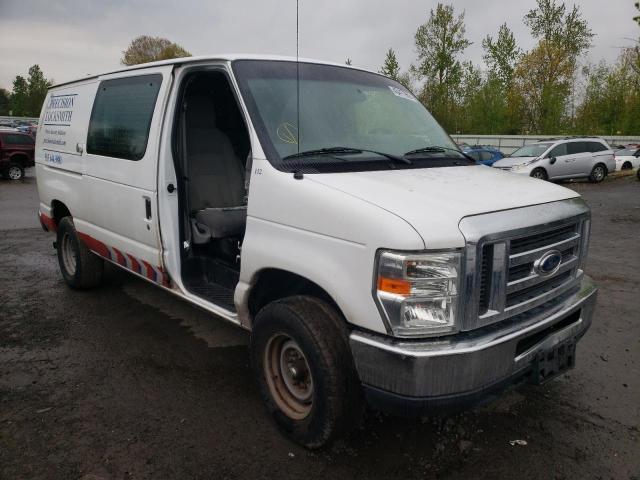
(228, 57)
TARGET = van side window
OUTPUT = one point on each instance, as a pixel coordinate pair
(558, 151)
(577, 147)
(121, 116)
(596, 147)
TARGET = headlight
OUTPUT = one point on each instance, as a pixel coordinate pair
(418, 292)
(525, 164)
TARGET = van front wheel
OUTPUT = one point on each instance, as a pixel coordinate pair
(301, 357)
(539, 173)
(598, 173)
(80, 268)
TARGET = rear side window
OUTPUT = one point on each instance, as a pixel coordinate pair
(15, 139)
(558, 150)
(484, 156)
(576, 147)
(121, 116)
(596, 147)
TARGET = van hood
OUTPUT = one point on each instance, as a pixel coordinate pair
(434, 200)
(510, 161)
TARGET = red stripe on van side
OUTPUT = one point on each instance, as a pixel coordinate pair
(150, 272)
(48, 222)
(120, 257)
(155, 274)
(94, 245)
(135, 265)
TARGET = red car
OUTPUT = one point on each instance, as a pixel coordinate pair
(16, 154)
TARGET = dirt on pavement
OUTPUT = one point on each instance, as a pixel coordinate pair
(127, 381)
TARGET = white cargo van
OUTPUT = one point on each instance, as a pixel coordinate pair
(321, 207)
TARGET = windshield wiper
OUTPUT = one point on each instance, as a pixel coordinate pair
(439, 149)
(346, 151)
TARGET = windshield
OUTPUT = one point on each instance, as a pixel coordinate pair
(338, 107)
(533, 150)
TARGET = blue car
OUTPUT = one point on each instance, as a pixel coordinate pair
(484, 155)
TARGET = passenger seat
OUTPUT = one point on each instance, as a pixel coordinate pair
(216, 175)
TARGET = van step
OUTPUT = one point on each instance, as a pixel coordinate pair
(214, 293)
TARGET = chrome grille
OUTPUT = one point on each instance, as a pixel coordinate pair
(500, 266)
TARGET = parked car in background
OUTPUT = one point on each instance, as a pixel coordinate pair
(29, 129)
(16, 153)
(483, 154)
(562, 158)
(627, 158)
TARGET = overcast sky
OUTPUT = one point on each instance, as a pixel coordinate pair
(71, 38)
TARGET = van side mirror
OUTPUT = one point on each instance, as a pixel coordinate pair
(552, 160)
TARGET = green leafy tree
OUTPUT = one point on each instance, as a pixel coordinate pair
(20, 97)
(28, 94)
(439, 43)
(37, 86)
(565, 29)
(502, 54)
(391, 68)
(4, 102)
(144, 49)
(611, 103)
(545, 76)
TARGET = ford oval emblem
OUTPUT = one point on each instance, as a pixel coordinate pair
(548, 263)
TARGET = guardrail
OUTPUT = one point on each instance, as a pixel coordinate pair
(509, 143)
(17, 119)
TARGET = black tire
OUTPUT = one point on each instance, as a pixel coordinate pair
(598, 173)
(80, 268)
(14, 171)
(335, 403)
(540, 173)
(626, 166)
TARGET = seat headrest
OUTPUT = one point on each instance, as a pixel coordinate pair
(201, 112)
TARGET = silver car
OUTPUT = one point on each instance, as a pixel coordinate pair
(556, 159)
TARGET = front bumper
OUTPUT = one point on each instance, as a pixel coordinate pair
(409, 377)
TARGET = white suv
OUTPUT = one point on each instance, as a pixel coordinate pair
(557, 159)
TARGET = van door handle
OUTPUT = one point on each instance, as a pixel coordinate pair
(147, 207)
(171, 188)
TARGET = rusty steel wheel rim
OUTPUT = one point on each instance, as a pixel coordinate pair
(288, 376)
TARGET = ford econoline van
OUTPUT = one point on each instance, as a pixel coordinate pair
(322, 208)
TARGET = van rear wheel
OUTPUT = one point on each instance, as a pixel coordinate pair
(301, 357)
(80, 268)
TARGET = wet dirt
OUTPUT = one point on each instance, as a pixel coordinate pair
(127, 381)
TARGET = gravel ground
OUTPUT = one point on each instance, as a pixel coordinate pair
(128, 382)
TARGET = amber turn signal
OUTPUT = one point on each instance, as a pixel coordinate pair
(394, 285)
